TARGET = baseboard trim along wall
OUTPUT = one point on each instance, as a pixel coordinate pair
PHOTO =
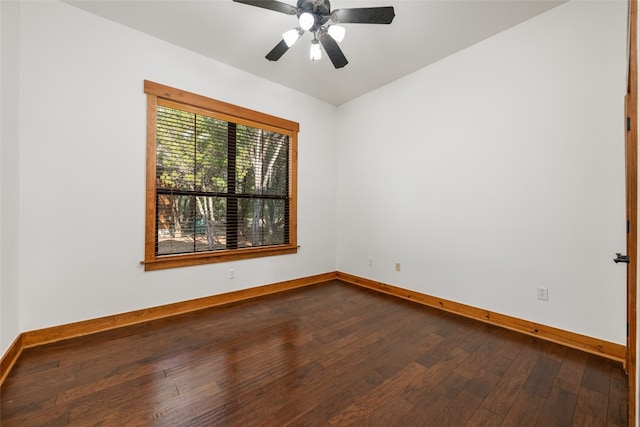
(10, 357)
(52, 334)
(585, 343)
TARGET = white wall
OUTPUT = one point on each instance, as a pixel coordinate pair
(488, 174)
(498, 170)
(82, 176)
(9, 176)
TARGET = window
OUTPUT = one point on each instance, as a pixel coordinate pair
(221, 181)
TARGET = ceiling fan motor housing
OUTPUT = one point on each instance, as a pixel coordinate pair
(320, 9)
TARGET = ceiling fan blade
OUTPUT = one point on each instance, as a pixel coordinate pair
(364, 15)
(278, 6)
(333, 50)
(277, 51)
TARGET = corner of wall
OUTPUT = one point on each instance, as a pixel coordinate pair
(9, 177)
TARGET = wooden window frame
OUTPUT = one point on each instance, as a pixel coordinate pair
(192, 101)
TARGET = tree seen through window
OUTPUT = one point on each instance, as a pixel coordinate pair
(220, 185)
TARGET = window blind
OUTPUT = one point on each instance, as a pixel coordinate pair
(219, 184)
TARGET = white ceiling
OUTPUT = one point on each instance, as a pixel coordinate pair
(422, 32)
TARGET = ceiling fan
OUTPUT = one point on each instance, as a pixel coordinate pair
(313, 16)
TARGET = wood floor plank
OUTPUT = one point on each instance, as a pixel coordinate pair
(424, 410)
(618, 404)
(126, 401)
(558, 408)
(525, 410)
(597, 375)
(482, 383)
(482, 355)
(542, 376)
(483, 417)
(324, 355)
(591, 409)
(501, 397)
(300, 390)
(385, 414)
(51, 416)
(22, 407)
(359, 410)
(424, 384)
(452, 385)
(458, 411)
(197, 410)
(571, 371)
(324, 410)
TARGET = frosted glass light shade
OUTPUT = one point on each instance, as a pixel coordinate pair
(336, 32)
(306, 21)
(315, 53)
(291, 36)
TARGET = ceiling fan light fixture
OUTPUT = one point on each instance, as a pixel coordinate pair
(315, 53)
(314, 16)
(336, 32)
(307, 20)
(291, 36)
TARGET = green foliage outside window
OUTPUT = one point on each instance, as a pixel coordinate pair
(219, 185)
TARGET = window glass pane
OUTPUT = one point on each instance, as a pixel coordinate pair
(262, 222)
(262, 160)
(211, 155)
(210, 218)
(191, 152)
(190, 224)
(175, 155)
(208, 174)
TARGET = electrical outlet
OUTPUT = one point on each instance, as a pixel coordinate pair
(370, 261)
(232, 273)
(543, 294)
(397, 266)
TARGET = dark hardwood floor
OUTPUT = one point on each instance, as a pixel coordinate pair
(326, 355)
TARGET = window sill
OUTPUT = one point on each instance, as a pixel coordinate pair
(175, 261)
